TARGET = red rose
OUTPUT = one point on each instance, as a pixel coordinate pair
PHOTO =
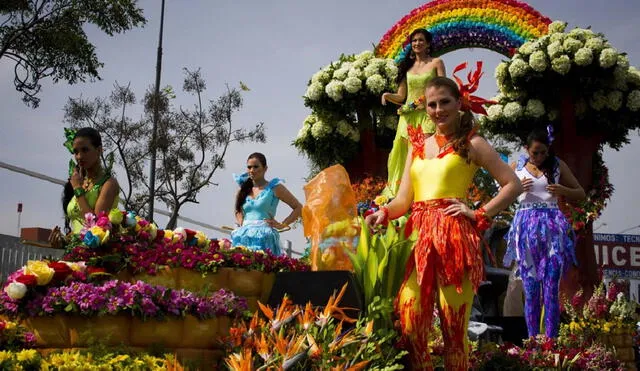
(160, 235)
(61, 270)
(27, 280)
(80, 276)
(190, 233)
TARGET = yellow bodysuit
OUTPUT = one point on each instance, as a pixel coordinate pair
(447, 260)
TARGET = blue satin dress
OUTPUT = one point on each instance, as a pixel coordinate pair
(255, 233)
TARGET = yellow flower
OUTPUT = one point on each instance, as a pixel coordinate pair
(152, 229)
(100, 233)
(168, 234)
(201, 238)
(5, 356)
(76, 267)
(9, 325)
(26, 355)
(41, 270)
(115, 216)
(120, 358)
(381, 200)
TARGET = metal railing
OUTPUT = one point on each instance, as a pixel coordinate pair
(13, 255)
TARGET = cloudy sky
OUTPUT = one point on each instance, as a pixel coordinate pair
(274, 47)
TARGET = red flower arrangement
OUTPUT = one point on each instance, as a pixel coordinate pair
(590, 209)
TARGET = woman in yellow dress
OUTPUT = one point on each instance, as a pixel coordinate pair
(446, 266)
(90, 189)
(414, 72)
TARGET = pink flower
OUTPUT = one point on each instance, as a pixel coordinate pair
(103, 221)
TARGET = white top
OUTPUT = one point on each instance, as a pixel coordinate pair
(538, 192)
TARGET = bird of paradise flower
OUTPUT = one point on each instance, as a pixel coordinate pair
(303, 339)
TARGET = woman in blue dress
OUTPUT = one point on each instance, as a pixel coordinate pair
(256, 204)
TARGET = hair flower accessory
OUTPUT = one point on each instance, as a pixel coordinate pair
(69, 135)
(550, 136)
(240, 179)
(471, 102)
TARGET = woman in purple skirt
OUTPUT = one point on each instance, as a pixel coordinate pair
(541, 239)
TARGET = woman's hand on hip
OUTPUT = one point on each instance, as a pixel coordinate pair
(274, 224)
(527, 183)
(458, 207)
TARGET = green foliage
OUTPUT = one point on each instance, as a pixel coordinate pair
(48, 39)
(379, 265)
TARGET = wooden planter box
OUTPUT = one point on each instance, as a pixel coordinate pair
(49, 331)
(251, 284)
(152, 332)
(78, 332)
(106, 330)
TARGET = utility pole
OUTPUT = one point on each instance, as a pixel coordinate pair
(156, 118)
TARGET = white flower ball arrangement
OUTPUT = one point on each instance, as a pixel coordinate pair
(336, 95)
(577, 66)
(345, 79)
(534, 108)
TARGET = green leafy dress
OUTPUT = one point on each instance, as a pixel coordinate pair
(76, 219)
(416, 84)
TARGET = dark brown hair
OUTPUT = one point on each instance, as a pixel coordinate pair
(550, 164)
(461, 135)
(245, 188)
(406, 63)
(67, 194)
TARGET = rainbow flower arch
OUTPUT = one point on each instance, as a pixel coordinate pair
(498, 25)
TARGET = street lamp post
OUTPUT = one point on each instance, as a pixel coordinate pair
(156, 114)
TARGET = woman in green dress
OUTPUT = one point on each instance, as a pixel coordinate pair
(90, 189)
(414, 72)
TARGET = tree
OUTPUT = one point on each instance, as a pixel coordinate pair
(46, 38)
(191, 144)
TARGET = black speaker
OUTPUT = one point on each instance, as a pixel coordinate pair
(514, 329)
(316, 287)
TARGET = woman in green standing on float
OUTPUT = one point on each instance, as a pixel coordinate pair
(414, 72)
(90, 188)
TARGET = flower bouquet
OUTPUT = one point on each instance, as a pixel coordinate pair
(590, 209)
(133, 243)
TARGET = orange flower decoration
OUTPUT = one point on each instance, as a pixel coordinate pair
(471, 102)
(417, 138)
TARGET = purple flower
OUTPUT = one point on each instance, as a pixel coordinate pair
(29, 339)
